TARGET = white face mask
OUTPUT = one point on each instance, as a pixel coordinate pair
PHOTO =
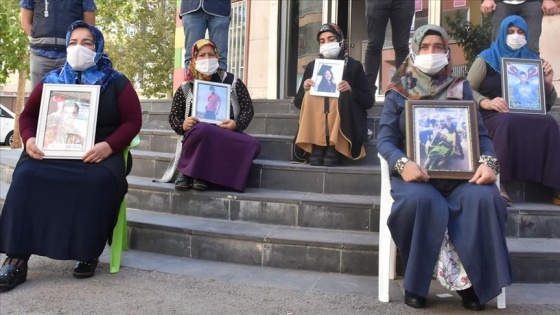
(516, 41)
(206, 66)
(330, 50)
(430, 63)
(80, 58)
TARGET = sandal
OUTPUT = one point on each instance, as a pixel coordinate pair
(505, 195)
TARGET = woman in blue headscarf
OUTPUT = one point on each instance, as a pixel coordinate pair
(66, 209)
(520, 156)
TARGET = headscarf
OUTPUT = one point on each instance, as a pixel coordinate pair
(100, 74)
(337, 32)
(415, 84)
(499, 48)
(192, 73)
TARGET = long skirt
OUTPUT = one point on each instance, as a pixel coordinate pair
(475, 216)
(312, 131)
(527, 146)
(62, 209)
(217, 155)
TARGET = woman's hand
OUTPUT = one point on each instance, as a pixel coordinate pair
(228, 124)
(307, 84)
(98, 153)
(548, 75)
(413, 172)
(484, 175)
(32, 149)
(498, 104)
(189, 122)
(344, 86)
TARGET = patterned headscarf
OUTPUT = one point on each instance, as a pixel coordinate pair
(415, 84)
(192, 73)
(499, 49)
(337, 32)
(100, 74)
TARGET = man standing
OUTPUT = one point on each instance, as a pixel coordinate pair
(46, 23)
(199, 15)
(378, 13)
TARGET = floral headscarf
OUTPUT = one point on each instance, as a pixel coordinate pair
(499, 49)
(337, 32)
(415, 84)
(192, 73)
(100, 74)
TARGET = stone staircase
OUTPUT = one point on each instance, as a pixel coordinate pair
(294, 215)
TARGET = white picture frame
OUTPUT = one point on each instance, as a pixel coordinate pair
(67, 120)
(211, 101)
(321, 71)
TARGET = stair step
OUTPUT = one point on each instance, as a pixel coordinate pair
(282, 175)
(273, 147)
(253, 244)
(287, 208)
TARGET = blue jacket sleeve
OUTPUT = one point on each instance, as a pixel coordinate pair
(389, 136)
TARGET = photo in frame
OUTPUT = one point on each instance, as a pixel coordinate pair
(442, 137)
(211, 101)
(67, 120)
(523, 85)
(327, 73)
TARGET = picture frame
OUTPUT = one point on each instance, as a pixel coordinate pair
(67, 120)
(523, 85)
(324, 70)
(211, 101)
(442, 137)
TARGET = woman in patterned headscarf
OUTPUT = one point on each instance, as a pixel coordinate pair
(206, 153)
(426, 210)
(67, 209)
(521, 157)
(331, 126)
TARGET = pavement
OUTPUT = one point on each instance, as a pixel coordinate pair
(151, 283)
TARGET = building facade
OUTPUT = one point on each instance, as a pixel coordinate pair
(272, 41)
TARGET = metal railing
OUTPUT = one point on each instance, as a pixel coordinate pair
(236, 43)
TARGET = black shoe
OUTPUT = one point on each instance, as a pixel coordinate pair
(470, 300)
(331, 157)
(414, 300)
(183, 182)
(199, 184)
(85, 269)
(317, 155)
(11, 277)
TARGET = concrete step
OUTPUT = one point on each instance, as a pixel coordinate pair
(265, 206)
(263, 123)
(282, 175)
(303, 248)
(254, 244)
(273, 147)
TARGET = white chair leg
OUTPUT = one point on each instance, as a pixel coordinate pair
(502, 299)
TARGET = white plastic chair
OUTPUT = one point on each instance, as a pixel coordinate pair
(387, 248)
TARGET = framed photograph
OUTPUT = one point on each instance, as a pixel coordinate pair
(326, 74)
(442, 137)
(67, 120)
(211, 101)
(523, 85)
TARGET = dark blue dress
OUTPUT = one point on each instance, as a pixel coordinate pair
(474, 215)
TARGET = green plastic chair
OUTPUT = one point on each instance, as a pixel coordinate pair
(120, 239)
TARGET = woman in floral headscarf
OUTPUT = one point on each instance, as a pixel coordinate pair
(331, 126)
(521, 157)
(221, 153)
(67, 209)
(426, 211)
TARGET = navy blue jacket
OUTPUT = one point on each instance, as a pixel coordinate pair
(213, 7)
(50, 23)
